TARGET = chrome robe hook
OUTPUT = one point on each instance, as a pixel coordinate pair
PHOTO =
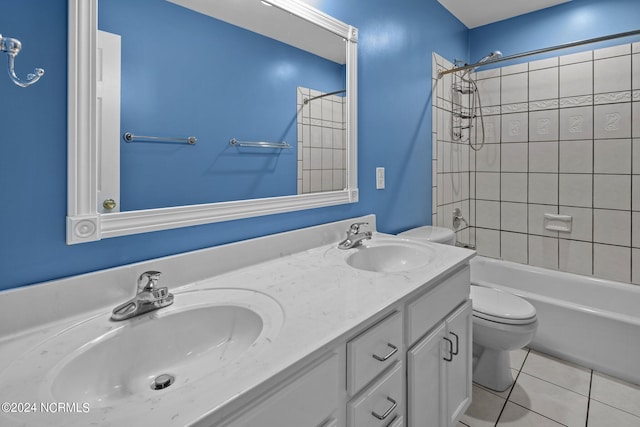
(12, 47)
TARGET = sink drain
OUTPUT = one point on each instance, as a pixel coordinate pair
(162, 381)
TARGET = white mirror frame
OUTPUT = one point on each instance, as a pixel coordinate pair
(85, 223)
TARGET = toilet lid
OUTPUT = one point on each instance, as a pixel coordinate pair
(429, 233)
(502, 307)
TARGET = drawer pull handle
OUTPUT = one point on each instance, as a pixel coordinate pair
(450, 349)
(394, 405)
(455, 353)
(393, 351)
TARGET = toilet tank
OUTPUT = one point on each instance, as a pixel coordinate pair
(430, 233)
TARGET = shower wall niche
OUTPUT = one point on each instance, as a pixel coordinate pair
(562, 137)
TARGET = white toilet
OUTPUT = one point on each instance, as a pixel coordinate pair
(501, 321)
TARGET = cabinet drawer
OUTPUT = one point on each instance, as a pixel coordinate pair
(426, 311)
(305, 400)
(397, 422)
(369, 354)
(380, 404)
(331, 423)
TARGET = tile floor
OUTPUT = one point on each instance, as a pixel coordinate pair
(553, 392)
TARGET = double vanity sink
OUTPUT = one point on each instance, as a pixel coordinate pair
(231, 331)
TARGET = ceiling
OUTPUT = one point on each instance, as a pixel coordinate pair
(488, 11)
(274, 23)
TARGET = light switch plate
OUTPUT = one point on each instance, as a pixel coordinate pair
(379, 178)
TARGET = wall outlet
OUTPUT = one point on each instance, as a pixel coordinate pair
(379, 178)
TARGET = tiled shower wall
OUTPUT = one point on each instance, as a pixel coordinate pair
(562, 137)
(451, 165)
(321, 142)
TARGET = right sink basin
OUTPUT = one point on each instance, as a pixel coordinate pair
(388, 255)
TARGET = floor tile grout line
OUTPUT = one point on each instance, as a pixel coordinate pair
(589, 397)
(586, 422)
(528, 409)
(557, 385)
(538, 413)
(614, 407)
(498, 393)
(506, 400)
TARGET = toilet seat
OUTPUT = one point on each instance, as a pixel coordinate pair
(501, 307)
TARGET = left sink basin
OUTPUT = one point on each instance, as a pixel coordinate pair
(104, 363)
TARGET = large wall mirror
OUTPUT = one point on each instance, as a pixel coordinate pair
(186, 112)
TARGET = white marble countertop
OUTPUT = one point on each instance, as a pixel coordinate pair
(322, 299)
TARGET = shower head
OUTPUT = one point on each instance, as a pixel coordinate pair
(496, 54)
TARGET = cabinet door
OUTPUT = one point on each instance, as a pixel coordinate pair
(426, 381)
(459, 368)
(331, 423)
(305, 400)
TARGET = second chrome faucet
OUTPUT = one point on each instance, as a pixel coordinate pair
(354, 236)
(148, 298)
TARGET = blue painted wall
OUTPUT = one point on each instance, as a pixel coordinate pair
(396, 41)
(565, 23)
(184, 73)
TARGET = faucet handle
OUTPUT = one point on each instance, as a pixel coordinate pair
(355, 227)
(148, 280)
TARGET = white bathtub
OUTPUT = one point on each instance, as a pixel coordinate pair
(585, 320)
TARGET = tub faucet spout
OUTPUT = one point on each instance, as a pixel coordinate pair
(148, 298)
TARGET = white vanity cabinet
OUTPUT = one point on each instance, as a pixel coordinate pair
(370, 379)
(439, 366)
(310, 398)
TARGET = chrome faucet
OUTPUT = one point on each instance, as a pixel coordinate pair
(149, 298)
(354, 236)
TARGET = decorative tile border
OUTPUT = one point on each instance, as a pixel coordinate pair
(522, 107)
(613, 97)
(491, 111)
(576, 101)
(549, 104)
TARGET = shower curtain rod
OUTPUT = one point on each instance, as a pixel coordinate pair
(538, 51)
(307, 100)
